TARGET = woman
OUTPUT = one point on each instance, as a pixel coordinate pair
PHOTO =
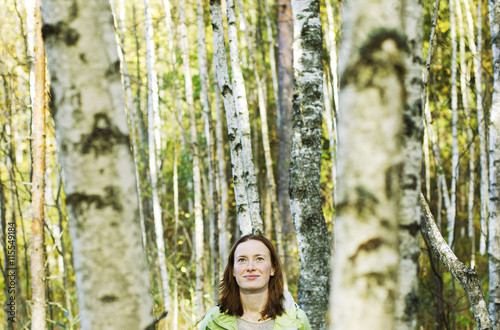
(251, 291)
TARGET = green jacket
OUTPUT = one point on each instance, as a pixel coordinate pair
(293, 319)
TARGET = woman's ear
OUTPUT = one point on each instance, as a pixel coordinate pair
(272, 272)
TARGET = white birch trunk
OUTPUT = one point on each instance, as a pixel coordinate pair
(212, 195)
(427, 164)
(332, 50)
(494, 226)
(221, 172)
(235, 144)
(409, 217)
(483, 190)
(198, 213)
(467, 277)
(369, 166)
(272, 59)
(154, 145)
(305, 163)
(454, 152)
(37, 246)
(466, 101)
(91, 128)
(243, 119)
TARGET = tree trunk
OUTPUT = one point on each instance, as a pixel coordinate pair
(221, 174)
(467, 277)
(131, 107)
(305, 163)
(198, 215)
(494, 226)
(91, 128)
(243, 119)
(285, 120)
(454, 158)
(154, 145)
(38, 182)
(369, 167)
(235, 144)
(407, 301)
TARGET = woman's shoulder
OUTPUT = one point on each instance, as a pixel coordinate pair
(215, 319)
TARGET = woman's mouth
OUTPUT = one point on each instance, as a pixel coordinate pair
(251, 277)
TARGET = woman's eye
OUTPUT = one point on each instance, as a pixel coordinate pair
(260, 259)
(240, 260)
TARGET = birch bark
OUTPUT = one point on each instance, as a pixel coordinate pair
(221, 172)
(38, 182)
(235, 144)
(213, 192)
(454, 157)
(466, 101)
(91, 127)
(305, 163)
(467, 277)
(494, 226)
(372, 57)
(198, 213)
(243, 119)
(409, 225)
(154, 144)
(483, 161)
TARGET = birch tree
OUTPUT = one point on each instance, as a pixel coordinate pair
(454, 158)
(409, 222)
(372, 57)
(240, 100)
(494, 226)
(198, 213)
(467, 277)
(38, 184)
(235, 144)
(91, 128)
(305, 163)
(154, 145)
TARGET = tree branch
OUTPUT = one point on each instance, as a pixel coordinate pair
(465, 276)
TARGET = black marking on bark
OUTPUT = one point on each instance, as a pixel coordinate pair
(392, 179)
(52, 103)
(104, 136)
(79, 201)
(231, 136)
(410, 182)
(413, 228)
(60, 32)
(378, 36)
(412, 302)
(369, 65)
(312, 36)
(83, 58)
(113, 71)
(108, 299)
(365, 200)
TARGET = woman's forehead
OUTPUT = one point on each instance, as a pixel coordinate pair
(251, 247)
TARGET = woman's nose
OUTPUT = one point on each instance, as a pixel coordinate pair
(250, 265)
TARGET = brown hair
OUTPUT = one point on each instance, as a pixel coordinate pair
(229, 301)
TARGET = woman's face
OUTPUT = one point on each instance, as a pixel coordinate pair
(252, 266)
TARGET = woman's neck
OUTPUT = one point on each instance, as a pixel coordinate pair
(253, 304)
